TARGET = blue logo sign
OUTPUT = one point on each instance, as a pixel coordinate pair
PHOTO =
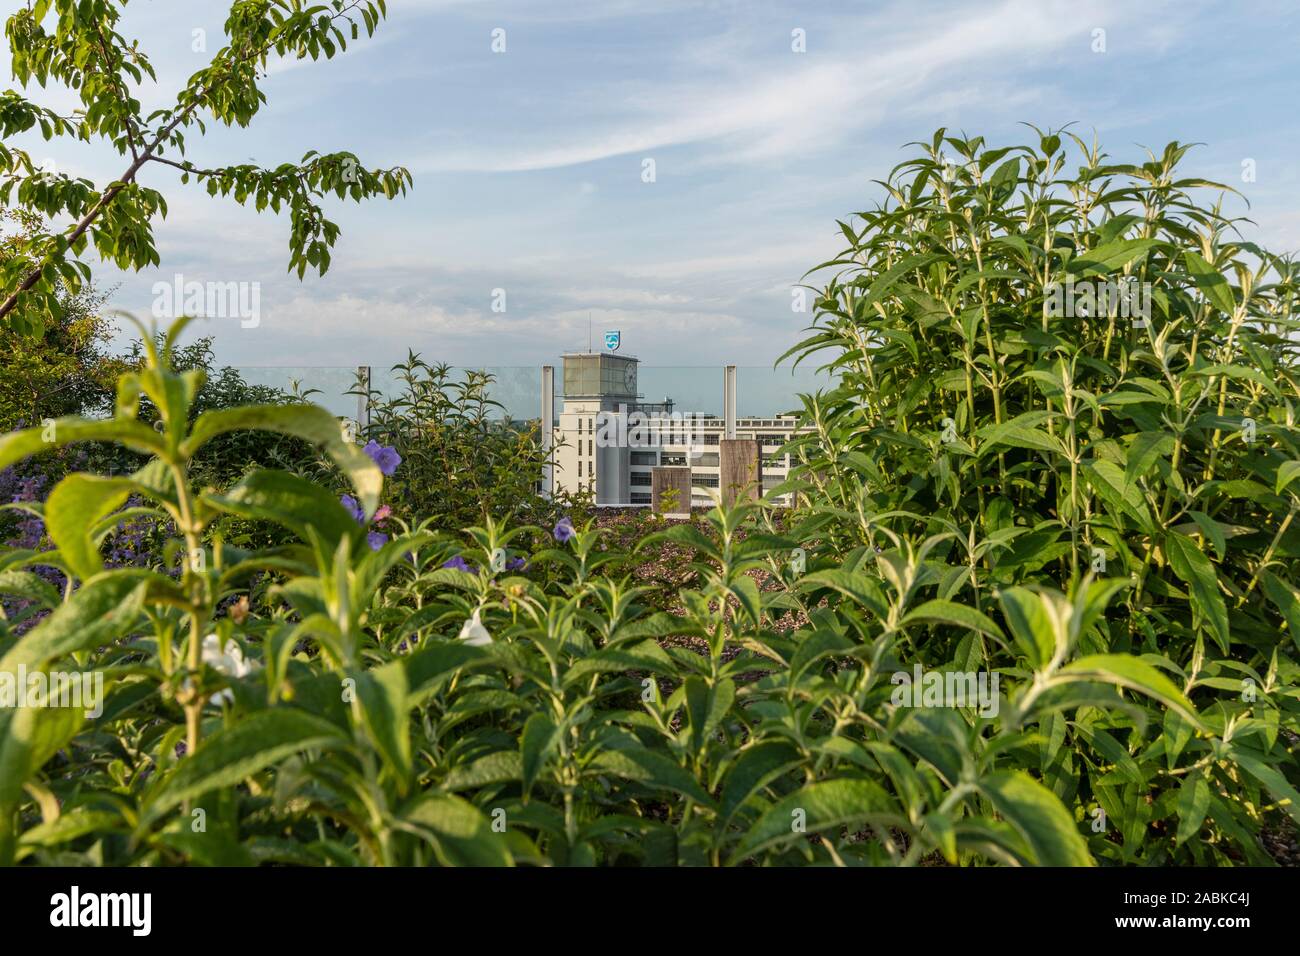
(613, 340)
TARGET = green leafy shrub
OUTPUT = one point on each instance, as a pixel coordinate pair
(466, 461)
(1067, 367)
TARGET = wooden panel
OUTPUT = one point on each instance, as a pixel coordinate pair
(741, 474)
(670, 478)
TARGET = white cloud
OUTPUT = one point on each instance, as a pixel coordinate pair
(799, 104)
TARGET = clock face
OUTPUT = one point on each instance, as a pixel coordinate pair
(630, 377)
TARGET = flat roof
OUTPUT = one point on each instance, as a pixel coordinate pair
(619, 355)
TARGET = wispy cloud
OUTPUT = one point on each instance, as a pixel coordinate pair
(791, 104)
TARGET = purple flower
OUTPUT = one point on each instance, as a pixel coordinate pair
(354, 508)
(385, 456)
(458, 563)
(376, 540)
(563, 530)
(516, 564)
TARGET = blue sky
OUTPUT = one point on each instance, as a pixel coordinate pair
(528, 164)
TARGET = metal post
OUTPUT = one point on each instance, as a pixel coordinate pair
(548, 427)
(729, 401)
(363, 401)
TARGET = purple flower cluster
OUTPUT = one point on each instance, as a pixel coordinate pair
(134, 543)
(563, 530)
(384, 456)
(29, 535)
(387, 459)
(376, 539)
(458, 563)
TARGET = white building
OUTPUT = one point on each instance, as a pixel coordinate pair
(608, 440)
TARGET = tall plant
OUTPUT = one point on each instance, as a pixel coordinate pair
(1072, 368)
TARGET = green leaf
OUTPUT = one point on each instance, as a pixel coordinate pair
(384, 707)
(1124, 670)
(1039, 816)
(309, 422)
(1021, 433)
(461, 835)
(31, 587)
(29, 736)
(536, 743)
(651, 769)
(1211, 282)
(233, 754)
(74, 507)
(707, 707)
(427, 667)
(813, 808)
(1193, 802)
(755, 767)
(99, 612)
(1271, 779)
(289, 501)
(958, 615)
(1286, 598)
(1195, 570)
(1142, 453)
(16, 446)
(502, 766)
(1112, 486)
(1032, 627)
(1287, 472)
(1110, 257)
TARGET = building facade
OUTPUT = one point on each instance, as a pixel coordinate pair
(608, 441)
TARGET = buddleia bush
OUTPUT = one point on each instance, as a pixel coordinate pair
(1069, 369)
(467, 460)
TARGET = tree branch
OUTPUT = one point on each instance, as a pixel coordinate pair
(11, 301)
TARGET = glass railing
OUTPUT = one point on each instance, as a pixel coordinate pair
(762, 392)
(767, 400)
(765, 392)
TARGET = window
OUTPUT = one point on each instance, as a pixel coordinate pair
(641, 498)
(704, 481)
(639, 478)
(579, 467)
(644, 458)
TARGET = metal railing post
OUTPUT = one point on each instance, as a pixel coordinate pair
(363, 401)
(729, 401)
(547, 426)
